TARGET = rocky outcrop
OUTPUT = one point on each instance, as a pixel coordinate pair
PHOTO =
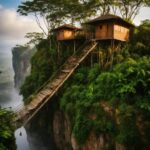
(52, 129)
(65, 139)
(21, 63)
(62, 131)
(54, 126)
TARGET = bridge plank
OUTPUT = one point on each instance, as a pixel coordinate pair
(46, 92)
(40, 99)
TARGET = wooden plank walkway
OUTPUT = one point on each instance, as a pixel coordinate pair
(24, 115)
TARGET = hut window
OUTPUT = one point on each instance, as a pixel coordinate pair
(122, 29)
(117, 28)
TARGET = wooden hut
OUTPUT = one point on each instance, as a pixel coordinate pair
(66, 32)
(109, 27)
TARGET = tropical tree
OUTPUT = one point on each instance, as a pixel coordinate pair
(129, 9)
(7, 139)
(53, 13)
(34, 38)
(140, 41)
(42, 10)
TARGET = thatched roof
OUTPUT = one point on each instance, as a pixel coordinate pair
(67, 26)
(109, 17)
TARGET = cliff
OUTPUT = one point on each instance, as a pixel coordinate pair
(104, 104)
(105, 110)
(21, 63)
(65, 139)
(98, 111)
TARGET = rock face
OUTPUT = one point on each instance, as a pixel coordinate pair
(51, 129)
(21, 63)
(62, 131)
(65, 139)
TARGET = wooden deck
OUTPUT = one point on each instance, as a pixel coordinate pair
(24, 115)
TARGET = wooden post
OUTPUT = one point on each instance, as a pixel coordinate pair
(112, 57)
(50, 43)
(99, 55)
(113, 45)
(74, 46)
(99, 58)
(58, 51)
(91, 59)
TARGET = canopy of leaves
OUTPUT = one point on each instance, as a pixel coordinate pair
(34, 38)
(7, 140)
(42, 67)
(126, 87)
(140, 40)
(57, 12)
(44, 64)
(125, 90)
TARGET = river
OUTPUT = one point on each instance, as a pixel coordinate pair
(10, 98)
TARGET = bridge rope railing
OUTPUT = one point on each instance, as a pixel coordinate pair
(14, 108)
(21, 107)
(17, 108)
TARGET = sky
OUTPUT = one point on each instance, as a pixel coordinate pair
(13, 27)
(10, 3)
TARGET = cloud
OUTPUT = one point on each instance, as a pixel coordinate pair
(14, 27)
(143, 14)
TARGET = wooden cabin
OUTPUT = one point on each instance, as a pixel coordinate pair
(109, 27)
(66, 32)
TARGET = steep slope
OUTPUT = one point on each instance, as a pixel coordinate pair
(21, 63)
(46, 92)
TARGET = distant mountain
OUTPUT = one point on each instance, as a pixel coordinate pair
(8, 95)
(21, 63)
(6, 71)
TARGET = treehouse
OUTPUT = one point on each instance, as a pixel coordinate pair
(67, 32)
(108, 27)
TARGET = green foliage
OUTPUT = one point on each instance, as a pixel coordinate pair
(107, 102)
(140, 41)
(56, 12)
(128, 133)
(81, 128)
(80, 103)
(43, 66)
(125, 88)
(94, 72)
(34, 37)
(126, 80)
(7, 140)
(103, 124)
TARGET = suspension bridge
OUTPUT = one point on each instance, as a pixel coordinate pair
(25, 113)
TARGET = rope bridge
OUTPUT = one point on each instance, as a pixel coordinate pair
(46, 92)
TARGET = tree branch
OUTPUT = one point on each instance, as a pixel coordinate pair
(39, 24)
